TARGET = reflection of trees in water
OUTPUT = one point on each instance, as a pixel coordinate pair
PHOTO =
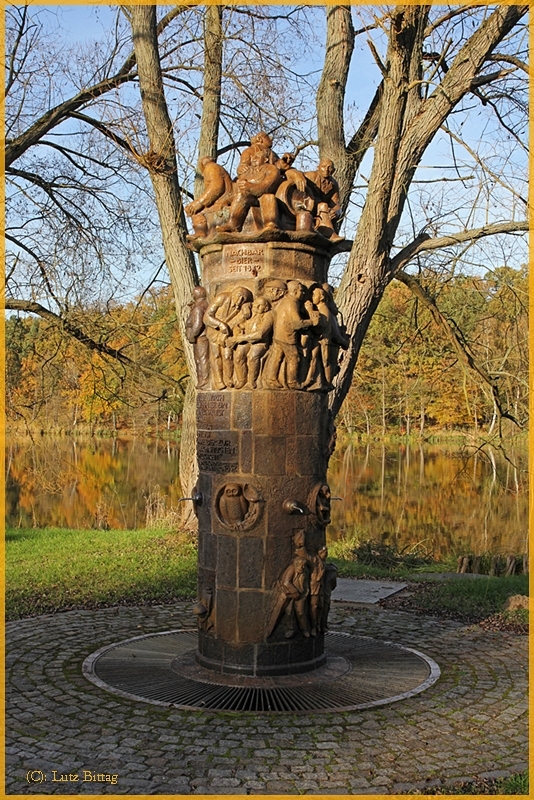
(449, 498)
(87, 483)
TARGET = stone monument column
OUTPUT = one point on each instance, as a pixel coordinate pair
(267, 336)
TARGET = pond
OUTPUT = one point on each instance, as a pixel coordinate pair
(92, 483)
(452, 499)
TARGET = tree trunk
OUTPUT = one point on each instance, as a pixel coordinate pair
(188, 458)
(367, 273)
(331, 95)
(422, 419)
(161, 163)
(383, 403)
(211, 98)
(407, 126)
(330, 102)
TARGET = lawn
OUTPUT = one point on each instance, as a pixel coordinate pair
(470, 599)
(54, 569)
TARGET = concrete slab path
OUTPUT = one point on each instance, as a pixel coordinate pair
(472, 722)
(362, 591)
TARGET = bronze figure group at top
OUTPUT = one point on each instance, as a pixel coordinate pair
(278, 196)
(287, 337)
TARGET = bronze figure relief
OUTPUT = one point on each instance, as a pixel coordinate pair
(239, 506)
(280, 335)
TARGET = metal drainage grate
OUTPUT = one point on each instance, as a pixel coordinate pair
(360, 673)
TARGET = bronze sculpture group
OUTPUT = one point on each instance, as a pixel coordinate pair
(303, 591)
(278, 196)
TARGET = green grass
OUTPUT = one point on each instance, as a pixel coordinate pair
(515, 784)
(351, 569)
(53, 569)
(519, 615)
(342, 556)
(465, 598)
(355, 555)
(471, 599)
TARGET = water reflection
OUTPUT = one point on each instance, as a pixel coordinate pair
(453, 499)
(84, 484)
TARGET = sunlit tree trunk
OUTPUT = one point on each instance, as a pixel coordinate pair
(384, 427)
(404, 123)
(162, 166)
(422, 418)
(211, 96)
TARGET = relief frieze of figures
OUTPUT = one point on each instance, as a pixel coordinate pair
(286, 336)
(302, 594)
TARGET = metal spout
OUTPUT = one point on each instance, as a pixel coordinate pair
(197, 499)
(292, 507)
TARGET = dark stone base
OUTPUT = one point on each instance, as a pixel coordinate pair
(290, 657)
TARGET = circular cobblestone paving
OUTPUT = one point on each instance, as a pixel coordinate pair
(67, 736)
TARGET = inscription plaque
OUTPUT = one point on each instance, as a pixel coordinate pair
(213, 410)
(218, 451)
(243, 259)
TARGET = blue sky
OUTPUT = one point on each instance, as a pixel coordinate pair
(85, 23)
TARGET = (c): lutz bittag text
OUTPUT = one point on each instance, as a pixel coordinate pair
(85, 776)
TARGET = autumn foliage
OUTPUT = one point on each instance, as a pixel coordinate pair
(409, 377)
(56, 383)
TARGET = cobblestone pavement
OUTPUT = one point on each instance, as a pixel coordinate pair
(472, 722)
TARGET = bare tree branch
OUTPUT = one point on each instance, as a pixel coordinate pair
(100, 126)
(31, 307)
(424, 243)
(446, 17)
(40, 264)
(381, 66)
(234, 146)
(54, 116)
(13, 71)
(508, 59)
(484, 166)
